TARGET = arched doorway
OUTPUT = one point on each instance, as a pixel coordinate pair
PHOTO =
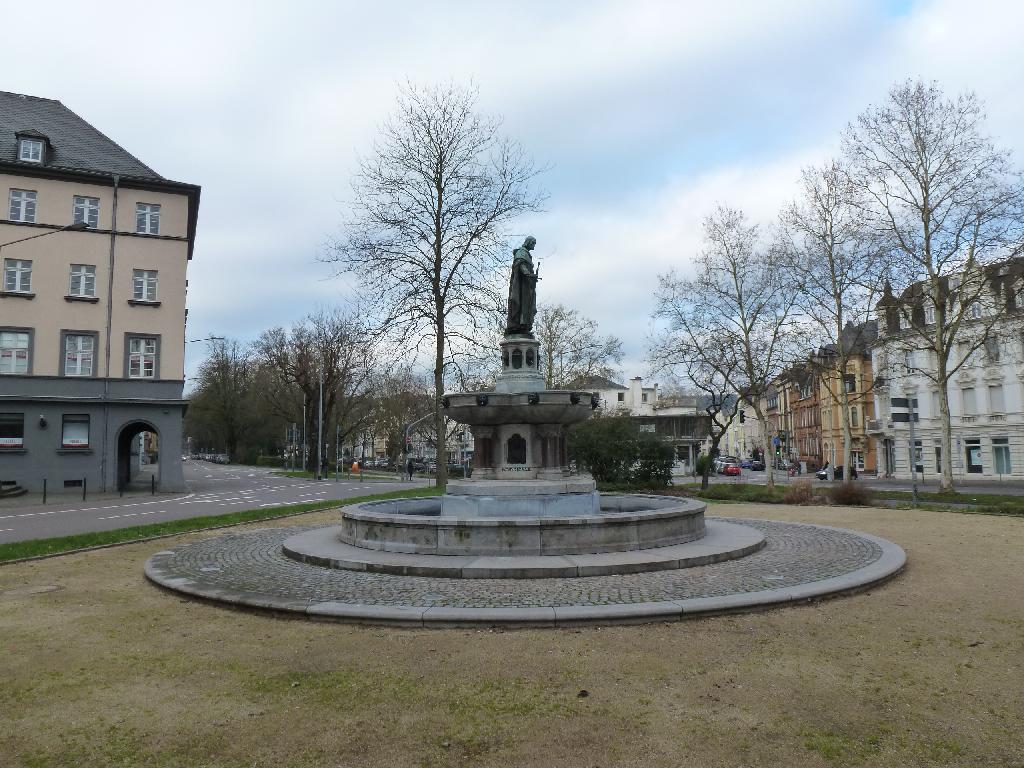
(137, 459)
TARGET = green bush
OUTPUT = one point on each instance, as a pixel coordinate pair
(269, 461)
(606, 446)
(653, 467)
(704, 464)
(613, 450)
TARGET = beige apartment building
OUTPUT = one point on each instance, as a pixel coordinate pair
(94, 247)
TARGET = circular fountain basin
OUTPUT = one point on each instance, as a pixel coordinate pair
(424, 526)
(550, 406)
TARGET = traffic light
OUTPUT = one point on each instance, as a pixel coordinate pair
(743, 416)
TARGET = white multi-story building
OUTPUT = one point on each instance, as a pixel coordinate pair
(986, 395)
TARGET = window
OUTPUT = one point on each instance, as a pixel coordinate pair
(30, 150)
(918, 457)
(938, 459)
(929, 314)
(970, 403)
(78, 354)
(144, 285)
(853, 416)
(850, 382)
(858, 460)
(23, 206)
(12, 430)
(973, 448)
(87, 209)
(1001, 456)
(908, 360)
(18, 275)
(974, 311)
(141, 357)
(643, 397)
(935, 404)
(995, 399)
(992, 349)
(14, 352)
(75, 433)
(147, 218)
(83, 280)
(622, 397)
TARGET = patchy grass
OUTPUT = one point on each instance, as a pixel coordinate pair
(102, 668)
(36, 547)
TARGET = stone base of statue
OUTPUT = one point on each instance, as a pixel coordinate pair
(520, 365)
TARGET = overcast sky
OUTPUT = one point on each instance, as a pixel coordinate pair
(648, 113)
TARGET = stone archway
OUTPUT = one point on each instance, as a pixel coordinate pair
(126, 436)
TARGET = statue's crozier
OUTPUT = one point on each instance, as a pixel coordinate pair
(522, 290)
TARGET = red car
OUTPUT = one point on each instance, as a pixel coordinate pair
(732, 469)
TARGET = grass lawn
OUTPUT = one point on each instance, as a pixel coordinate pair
(101, 668)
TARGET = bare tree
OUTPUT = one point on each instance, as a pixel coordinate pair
(948, 202)
(738, 301)
(711, 368)
(571, 347)
(426, 239)
(221, 407)
(327, 347)
(833, 259)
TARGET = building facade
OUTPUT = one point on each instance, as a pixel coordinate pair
(986, 394)
(857, 380)
(94, 247)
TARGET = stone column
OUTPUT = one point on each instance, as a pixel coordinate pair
(483, 452)
(551, 454)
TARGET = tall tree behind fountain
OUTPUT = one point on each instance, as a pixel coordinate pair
(425, 236)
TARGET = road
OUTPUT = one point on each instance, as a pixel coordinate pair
(213, 490)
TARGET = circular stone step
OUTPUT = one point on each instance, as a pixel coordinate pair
(723, 541)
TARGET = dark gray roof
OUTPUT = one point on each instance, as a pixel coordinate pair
(598, 382)
(74, 144)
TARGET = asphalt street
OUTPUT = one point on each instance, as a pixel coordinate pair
(212, 490)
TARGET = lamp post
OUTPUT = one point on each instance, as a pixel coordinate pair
(78, 226)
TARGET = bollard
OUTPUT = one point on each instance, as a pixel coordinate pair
(152, 485)
(44, 490)
(85, 481)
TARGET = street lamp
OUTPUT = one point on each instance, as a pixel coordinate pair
(208, 338)
(78, 226)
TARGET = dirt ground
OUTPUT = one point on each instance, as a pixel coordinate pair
(98, 667)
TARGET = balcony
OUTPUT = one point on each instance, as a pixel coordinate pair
(968, 419)
(994, 418)
(874, 425)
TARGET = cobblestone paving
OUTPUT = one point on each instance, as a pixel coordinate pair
(252, 562)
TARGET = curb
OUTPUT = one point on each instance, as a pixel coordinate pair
(891, 562)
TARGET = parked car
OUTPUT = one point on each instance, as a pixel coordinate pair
(745, 464)
(732, 469)
(837, 473)
(756, 465)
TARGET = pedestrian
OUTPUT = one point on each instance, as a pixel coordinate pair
(408, 467)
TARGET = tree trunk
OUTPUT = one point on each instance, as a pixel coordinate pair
(946, 481)
(442, 447)
(769, 453)
(844, 422)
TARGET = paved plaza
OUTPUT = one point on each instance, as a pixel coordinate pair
(798, 562)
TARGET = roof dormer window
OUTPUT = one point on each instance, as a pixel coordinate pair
(30, 150)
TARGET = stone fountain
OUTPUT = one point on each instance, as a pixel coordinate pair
(522, 514)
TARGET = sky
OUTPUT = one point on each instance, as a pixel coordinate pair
(649, 114)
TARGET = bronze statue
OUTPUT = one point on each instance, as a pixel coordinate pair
(522, 290)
